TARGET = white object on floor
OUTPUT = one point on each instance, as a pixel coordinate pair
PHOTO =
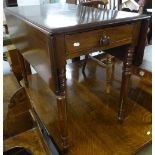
(6, 68)
(28, 2)
(33, 71)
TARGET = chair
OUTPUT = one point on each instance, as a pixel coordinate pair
(14, 58)
(107, 60)
(21, 129)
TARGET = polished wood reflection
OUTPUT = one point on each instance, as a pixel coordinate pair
(92, 112)
(71, 16)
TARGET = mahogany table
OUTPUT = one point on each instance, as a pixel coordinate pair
(50, 34)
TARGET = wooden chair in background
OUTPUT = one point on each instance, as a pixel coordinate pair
(107, 60)
(15, 59)
(21, 128)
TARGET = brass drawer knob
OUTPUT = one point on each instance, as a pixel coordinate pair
(105, 40)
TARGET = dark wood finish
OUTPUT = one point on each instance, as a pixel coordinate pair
(14, 57)
(76, 59)
(81, 17)
(10, 3)
(118, 36)
(62, 109)
(139, 51)
(95, 4)
(61, 104)
(46, 47)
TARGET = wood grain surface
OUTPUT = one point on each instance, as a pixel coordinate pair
(29, 140)
(92, 124)
(20, 126)
(70, 17)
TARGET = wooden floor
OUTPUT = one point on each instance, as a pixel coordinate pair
(92, 113)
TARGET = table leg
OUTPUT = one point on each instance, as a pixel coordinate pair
(139, 51)
(76, 59)
(62, 107)
(85, 62)
(127, 67)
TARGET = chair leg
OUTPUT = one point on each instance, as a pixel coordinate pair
(109, 73)
(85, 62)
(127, 70)
(76, 59)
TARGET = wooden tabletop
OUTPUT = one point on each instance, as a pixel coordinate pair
(68, 17)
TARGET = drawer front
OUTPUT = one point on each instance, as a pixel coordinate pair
(102, 38)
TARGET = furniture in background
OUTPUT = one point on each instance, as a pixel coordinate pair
(149, 35)
(47, 45)
(105, 4)
(107, 61)
(16, 61)
(13, 56)
(142, 7)
(21, 129)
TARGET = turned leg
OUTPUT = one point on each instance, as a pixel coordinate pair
(62, 107)
(85, 62)
(127, 67)
(23, 68)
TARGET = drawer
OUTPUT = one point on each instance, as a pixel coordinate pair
(102, 38)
